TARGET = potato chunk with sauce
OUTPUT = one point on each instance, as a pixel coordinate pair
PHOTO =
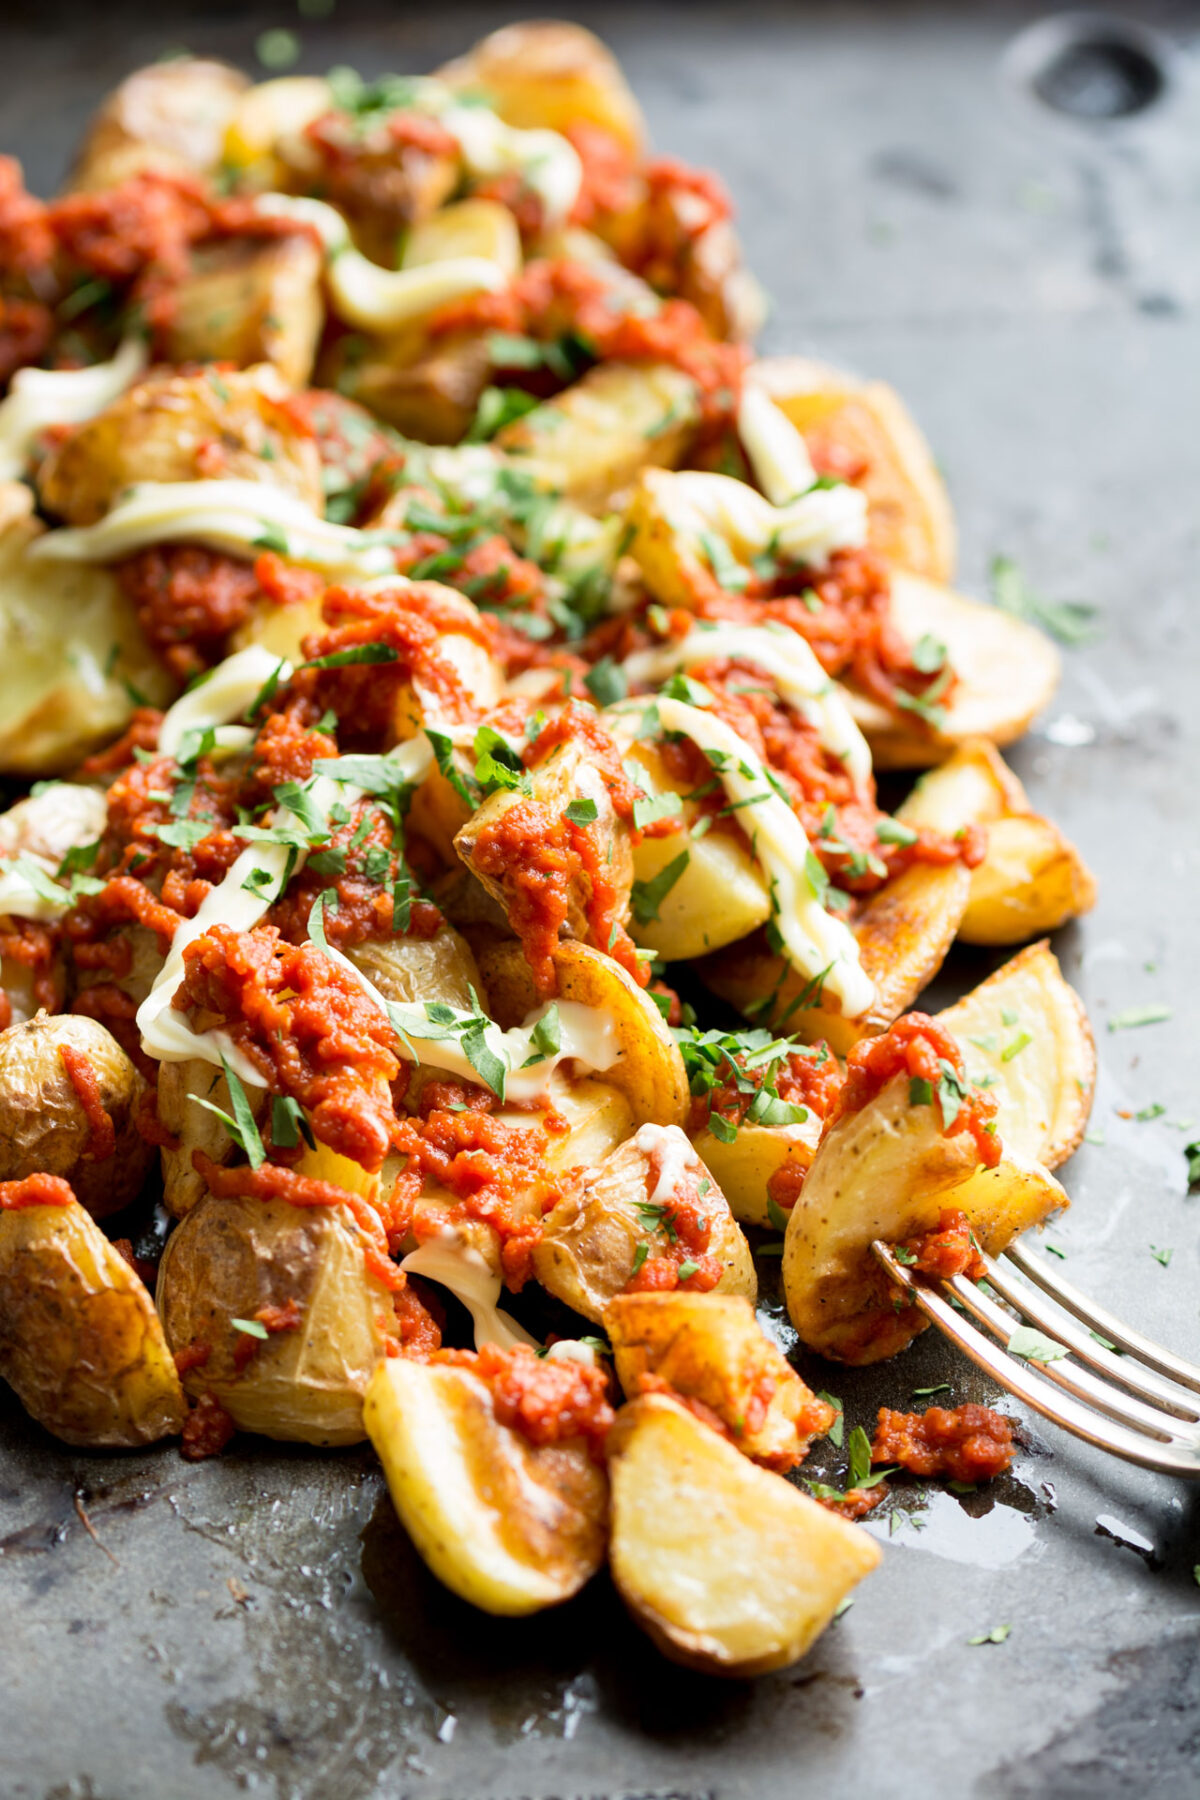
(730, 1569)
(511, 1526)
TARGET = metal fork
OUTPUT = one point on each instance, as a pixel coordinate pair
(1125, 1406)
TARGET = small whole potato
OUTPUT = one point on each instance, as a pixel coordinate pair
(52, 1121)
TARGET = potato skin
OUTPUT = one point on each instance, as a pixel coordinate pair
(80, 1341)
(410, 970)
(710, 1347)
(231, 1258)
(170, 117)
(590, 1238)
(729, 1569)
(43, 1126)
(508, 1526)
(156, 431)
(247, 302)
(550, 72)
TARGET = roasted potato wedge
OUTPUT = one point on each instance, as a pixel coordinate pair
(511, 1527)
(550, 73)
(44, 1125)
(649, 1071)
(236, 1259)
(592, 439)
(720, 897)
(864, 429)
(710, 1347)
(1032, 879)
(1026, 1031)
(743, 1167)
(247, 302)
(80, 1341)
(887, 1172)
(265, 114)
(591, 1241)
(731, 1570)
(568, 773)
(1007, 672)
(72, 655)
(429, 392)
(170, 117)
(165, 429)
(180, 1085)
(411, 969)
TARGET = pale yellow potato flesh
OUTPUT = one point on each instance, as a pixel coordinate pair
(1043, 1087)
(591, 1239)
(231, 1258)
(730, 1569)
(80, 1341)
(266, 113)
(1007, 673)
(591, 440)
(465, 228)
(1032, 879)
(711, 1348)
(508, 1527)
(911, 522)
(71, 656)
(720, 896)
(550, 73)
(180, 1086)
(743, 1167)
(888, 1172)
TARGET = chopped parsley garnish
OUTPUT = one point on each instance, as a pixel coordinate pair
(498, 407)
(648, 896)
(1072, 622)
(443, 755)
(648, 809)
(353, 655)
(1134, 1016)
(997, 1635)
(289, 1123)
(241, 1126)
(582, 812)
(251, 1327)
(1033, 1346)
(497, 765)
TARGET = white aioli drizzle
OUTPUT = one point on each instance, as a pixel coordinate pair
(787, 659)
(233, 516)
(38, 398)
(814, 941)
(807, 530)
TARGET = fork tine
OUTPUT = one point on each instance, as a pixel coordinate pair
(1142, 1382)
(1079, 1381)
(1096, 1318)
(1033, 1389)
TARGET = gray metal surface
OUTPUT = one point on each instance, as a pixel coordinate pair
(257, 1624)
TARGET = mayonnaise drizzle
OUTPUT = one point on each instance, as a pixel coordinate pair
(462, 1269)
(806, 531)
(234, 516)
(223, 695)
(38, 398)
(787, 659)
(778, 454)
(816, 943)
(672, 1150)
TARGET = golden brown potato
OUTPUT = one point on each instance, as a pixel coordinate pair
(550, 73)
(264, 116)
(72, 658)
(903, 932)
(44, 1125)
(262, 1262)
(592, 439)
(170, 117)
(710, 1347)
(730, 1569)
(568, 773)
(649, 1070)
(887, 1172)
(1032, 879)
(165, 429)
(510, 1526)
(412, 969)
(430, 393)
(1025, 1031)
(1007, 673)
(863, 429)
(80, 1341)
(592, 1242)
(743, 1167)
(247, 302)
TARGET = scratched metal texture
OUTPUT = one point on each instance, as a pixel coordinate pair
(258, 1624)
